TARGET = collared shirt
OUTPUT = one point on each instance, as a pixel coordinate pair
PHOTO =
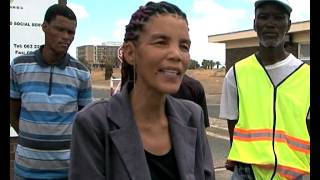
(50, 96)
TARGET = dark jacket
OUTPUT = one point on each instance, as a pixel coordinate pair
(191, 89)
(106, 142)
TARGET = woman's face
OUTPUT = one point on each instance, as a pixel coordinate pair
(161, 54)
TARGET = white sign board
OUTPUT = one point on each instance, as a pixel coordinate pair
(13, 133)
(26, 17)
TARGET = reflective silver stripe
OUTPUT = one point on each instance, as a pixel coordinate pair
(292, 142)
(283, 171)
(268, 135)
(253, 135)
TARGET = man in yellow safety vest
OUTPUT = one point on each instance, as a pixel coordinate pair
(266, 99)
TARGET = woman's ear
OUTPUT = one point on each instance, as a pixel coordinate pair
(129, 52)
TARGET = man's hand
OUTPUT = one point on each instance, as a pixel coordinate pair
(230, 165)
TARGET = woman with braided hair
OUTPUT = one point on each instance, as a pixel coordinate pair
(141, 132)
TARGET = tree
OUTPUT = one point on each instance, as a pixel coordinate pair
(212, 63)
(208, 64)
(205, 64)
(193, 64)
(218, 64)
(108, 70)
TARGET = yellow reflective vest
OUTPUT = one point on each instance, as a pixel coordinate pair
(271, 132)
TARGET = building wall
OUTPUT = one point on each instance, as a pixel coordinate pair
(236, 54)
(243, 43)
(86, 53)
(112, 55)
(90, 54)
(97, 56)
(101, 54)
(292, 48)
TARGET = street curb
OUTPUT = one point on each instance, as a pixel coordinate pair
(99, 87)
(218, 130)
(218, 126)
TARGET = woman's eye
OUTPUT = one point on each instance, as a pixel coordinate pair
(160, 42)
(185, 47)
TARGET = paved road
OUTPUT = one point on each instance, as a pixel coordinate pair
(219, 149)
(213, 110)
(100, 93)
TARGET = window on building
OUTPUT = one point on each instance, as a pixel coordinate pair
(304, 52)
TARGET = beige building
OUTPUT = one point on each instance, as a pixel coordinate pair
(241, 44)
(86, 53)
(97, 56)
(111, 52)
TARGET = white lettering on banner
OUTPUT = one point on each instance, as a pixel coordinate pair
(26, 17)
(21, 49)
(16, 7)
(30, 24)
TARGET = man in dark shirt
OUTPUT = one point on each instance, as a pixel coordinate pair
(191, 89)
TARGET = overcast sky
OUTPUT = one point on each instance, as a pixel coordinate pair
(104, 20)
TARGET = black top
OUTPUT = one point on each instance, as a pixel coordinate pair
(191, 89)
(163, 167)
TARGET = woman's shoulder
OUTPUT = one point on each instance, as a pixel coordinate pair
(94, 109)
(95, 105)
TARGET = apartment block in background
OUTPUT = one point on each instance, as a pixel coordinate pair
(97, 56)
